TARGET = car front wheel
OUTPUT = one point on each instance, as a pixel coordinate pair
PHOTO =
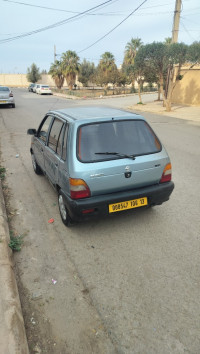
(36, 167)
(63, 211)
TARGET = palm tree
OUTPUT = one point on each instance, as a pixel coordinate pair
(131, 50)
(107, 71)
(57, 74)
(70, 67)
(168, 40)
(107, 61)
(129, 57)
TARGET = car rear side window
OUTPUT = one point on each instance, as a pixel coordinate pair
(130, 137)
(55, 134)
(60, 142)
(64, 149)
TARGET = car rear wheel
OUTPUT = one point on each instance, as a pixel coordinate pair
(36, 167)
(63, 211)
(13, 105)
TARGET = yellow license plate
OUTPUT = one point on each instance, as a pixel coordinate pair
(3, 101)
(129, 204)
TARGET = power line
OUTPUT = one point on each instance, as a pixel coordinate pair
(60, 23)
(89, 14)
(55, 9)
(112, 28)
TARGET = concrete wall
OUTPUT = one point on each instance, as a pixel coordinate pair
(187, 90)
(20, 80)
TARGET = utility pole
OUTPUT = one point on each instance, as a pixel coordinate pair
(175, 28)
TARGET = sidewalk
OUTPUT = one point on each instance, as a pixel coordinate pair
(12, 332)
(191, 113)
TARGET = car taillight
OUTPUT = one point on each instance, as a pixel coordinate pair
(11, 94)
(167, 174)
(78, 188)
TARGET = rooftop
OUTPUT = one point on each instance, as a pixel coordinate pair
(77, 113)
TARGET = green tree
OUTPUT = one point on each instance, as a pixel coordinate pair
(33, 73)
(107, 71)
(57, 74)
(121, 78)
(86, 72)
(193, 55)
(151, 59)
(70, 67)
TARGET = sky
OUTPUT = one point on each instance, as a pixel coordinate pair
(31, 31)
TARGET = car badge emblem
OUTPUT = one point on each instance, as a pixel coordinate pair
(127, 168)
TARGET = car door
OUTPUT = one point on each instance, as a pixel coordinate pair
(53, 149)
(63, 175)
(37, 90)
(40, 141)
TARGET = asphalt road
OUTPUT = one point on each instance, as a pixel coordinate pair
(126, 284)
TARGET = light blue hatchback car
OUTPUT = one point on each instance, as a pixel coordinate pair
(101, 161)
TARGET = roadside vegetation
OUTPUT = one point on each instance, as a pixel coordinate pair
(2, 173)
(16, 240)
(147, 66)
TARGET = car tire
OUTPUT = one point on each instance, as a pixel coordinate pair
(36, 167)
(13, 105)
(63, 211)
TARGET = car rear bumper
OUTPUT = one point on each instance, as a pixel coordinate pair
(7, 101)
(98, 205)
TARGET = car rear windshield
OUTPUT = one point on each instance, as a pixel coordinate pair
(97, 141)
(4, 88)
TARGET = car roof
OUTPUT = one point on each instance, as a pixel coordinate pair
(94, 112)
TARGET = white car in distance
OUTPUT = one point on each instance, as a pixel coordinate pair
(43, 89)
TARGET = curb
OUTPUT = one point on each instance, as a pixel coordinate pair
(98, 97)
(12, 331)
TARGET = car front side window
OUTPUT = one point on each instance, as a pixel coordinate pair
(43, 129)
(55, 134)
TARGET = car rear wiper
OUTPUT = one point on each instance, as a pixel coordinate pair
(116, 154)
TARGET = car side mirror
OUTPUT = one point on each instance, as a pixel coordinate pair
(31, 131)
(42, 133)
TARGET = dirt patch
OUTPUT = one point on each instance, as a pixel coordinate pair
(37, 325)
